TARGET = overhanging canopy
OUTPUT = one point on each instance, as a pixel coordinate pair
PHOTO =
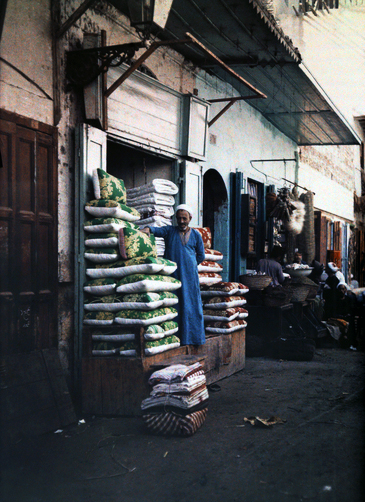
(245, 36)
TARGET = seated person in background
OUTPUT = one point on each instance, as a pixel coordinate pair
(271, 266)
(345, 309)
(298, 258)
(317, 271)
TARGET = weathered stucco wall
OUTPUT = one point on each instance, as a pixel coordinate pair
(26, 86)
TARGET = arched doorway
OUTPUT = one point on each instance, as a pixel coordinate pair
(215, 213)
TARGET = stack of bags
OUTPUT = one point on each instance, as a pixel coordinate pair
(178, 401)
(155, 202)
(223, 307)
(209, 270)
(222, 301)
(129, 285)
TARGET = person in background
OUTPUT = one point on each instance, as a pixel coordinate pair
(353, 283)
(317, 271)
(345, 309)
(271, 266)
(298, 258)
(334, 277)
(184, 246)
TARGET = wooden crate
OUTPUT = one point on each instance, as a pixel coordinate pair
(117, 385)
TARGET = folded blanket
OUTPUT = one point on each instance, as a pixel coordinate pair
(157, 185)
(186, 387)
(152, 198)
(147, 210)
(175, 373)
(179, 401)
(156, 221)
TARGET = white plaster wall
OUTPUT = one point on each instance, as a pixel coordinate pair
(243, 135)
(332, 47)
(26, 86)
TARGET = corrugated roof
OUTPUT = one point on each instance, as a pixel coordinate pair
(245, 36)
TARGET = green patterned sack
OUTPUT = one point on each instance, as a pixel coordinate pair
(128, 349)
(122, 268)
(107, 186)
(116, 334)
(133, 243)
(144, 318)
(99, 318)
(108, 348)
(102, 240)
(108, 303)
(157, 346)
(100, 287)
(98, 225)
(104, 208)
(154, 329)
(169, 266)
(162, 330)
(139, 283)
(169, 299)
(102, 255)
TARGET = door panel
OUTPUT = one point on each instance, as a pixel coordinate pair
(91, 147)
(28, 287)
(193, 191)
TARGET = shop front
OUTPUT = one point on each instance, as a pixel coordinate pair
(153, 133)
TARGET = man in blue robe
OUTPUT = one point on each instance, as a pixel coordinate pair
(184, 246)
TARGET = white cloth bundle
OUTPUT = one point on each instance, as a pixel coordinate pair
(157, 185)
(155, 221)
(147, 210)
(152, 198)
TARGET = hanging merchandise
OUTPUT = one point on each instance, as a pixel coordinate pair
(307, 238)
(282, 206)
(296, 221)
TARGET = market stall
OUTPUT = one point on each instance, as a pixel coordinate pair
(130, 300)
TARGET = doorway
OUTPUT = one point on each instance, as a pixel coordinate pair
(215, 214)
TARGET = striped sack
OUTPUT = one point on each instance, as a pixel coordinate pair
(171, 424)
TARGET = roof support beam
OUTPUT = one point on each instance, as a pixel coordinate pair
(75, 16)
(231, 101)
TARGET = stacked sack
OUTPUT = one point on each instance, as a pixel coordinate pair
(222, 301)
(209, 270)
(223, 307)
(178, 401)
(129, 284)
(155, 202)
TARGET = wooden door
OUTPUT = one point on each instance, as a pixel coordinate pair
(28, 235)
(193, 192)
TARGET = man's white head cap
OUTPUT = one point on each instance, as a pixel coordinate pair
(185, 207)
(332, 266)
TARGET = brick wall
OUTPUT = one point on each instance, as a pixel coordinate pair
(334, 162)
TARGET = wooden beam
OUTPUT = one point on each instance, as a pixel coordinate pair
(152, 48)
(236, 98)
(225, 67)
(74, 17)
(227, 107)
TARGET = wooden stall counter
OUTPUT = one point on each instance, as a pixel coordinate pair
(116, 386)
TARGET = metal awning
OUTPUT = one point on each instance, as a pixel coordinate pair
(246, 37)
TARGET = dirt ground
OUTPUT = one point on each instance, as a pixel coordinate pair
(317, 454)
